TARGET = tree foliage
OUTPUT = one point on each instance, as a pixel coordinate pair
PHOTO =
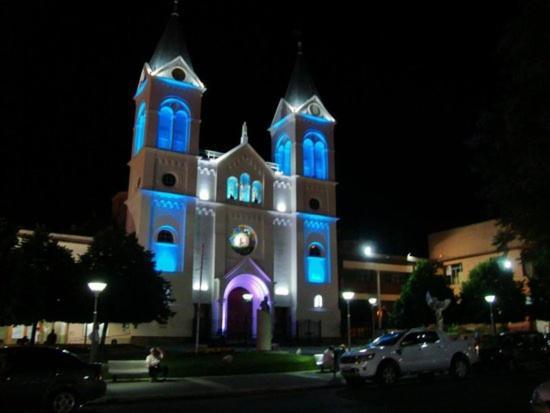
(486, 278)
(411, 310)
(8, 242)
(136, 293)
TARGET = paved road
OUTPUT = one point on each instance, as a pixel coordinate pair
(495, 392)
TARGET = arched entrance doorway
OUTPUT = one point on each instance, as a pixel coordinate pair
(239, 315)
(243, 283)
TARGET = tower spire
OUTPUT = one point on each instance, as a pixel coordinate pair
(244, 134)
(175, 11)
(300, 87)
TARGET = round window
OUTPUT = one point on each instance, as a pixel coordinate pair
(168, 180)
(179, 74)
(314, 204)
(314, 109)
(243, 240)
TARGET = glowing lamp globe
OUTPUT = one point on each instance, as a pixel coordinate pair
(368, 251)
(247, 297)
(373, 301)
(490, 298)
(348, 295)
(97, 286)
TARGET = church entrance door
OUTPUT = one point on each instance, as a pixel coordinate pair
(239, 315)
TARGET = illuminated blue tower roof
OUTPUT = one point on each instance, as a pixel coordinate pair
(301, 86)
(171, 44)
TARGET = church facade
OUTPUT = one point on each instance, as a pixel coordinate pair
(230, 230)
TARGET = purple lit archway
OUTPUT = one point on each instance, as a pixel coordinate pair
(255, 286)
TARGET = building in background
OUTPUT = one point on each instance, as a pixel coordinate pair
(460, 250)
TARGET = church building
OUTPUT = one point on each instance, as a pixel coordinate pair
(230, 230)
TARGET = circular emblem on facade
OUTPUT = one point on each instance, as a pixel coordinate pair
(314, 109)
(314, 204)
(179, 74)
(243, 239)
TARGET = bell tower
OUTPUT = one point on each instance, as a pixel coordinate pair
(163, 165)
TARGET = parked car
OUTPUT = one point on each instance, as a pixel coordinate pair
(413, 352)
(514, 350)
(47, 377)
(540, 401)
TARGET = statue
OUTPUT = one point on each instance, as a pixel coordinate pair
(438, 307)
(264, 305)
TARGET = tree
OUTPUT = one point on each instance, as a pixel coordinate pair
(513, 144)
(44, 281)
(486, 278)
(411, 309)
(8, 242)
(135, 293)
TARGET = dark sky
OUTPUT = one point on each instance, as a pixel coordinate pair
(406, 83)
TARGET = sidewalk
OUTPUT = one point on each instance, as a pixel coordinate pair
(216, 386)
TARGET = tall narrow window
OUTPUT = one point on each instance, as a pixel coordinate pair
(318, 301)
(308, 158)
(173, 126)
(232, 188)
(244, 189)
(320, 160)
(165, 128)
(139, 132)
(180, 131)
(257, 192)
(283, 154)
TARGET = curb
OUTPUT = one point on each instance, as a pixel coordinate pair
(213, 394)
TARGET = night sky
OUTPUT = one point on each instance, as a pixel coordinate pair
(407, 85)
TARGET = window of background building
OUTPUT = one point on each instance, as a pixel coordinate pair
(454, 271)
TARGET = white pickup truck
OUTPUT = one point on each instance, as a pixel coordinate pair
(412, 352)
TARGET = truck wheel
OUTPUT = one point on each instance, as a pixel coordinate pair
(387, 374)
(460, 367)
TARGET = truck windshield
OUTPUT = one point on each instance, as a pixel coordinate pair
(389, 339)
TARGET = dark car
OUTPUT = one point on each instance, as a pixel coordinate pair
(47, 377)
(514, 350)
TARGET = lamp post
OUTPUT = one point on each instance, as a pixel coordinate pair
(491, 299)
(247, 297)
(348, 296)
(96, 287)
(372, 302)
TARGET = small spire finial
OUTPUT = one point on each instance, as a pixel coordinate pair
(175, 10)
(244, 133)
(299, 47)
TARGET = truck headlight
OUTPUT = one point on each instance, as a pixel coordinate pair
(367, 357)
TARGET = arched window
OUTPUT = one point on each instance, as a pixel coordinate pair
(283, 153)
(315, 155)
(308, 158)
(315, 250)
(139, 132)
(320, 160)
(257, 192)
(180, 131)
(244, 189)
(165, 128)
(173, 127)
(232, 188)
(318, 301)
(165, 236)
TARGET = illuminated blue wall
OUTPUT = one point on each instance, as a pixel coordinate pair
(168, 212)
(317, 270)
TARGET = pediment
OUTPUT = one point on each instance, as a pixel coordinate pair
(244, 158)
(165, 71)
(247, 266)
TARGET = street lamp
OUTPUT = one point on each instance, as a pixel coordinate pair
(96, 287)
(491, 300)
(247, 297)
(368, 251)
(348, 296)
(372, 302)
